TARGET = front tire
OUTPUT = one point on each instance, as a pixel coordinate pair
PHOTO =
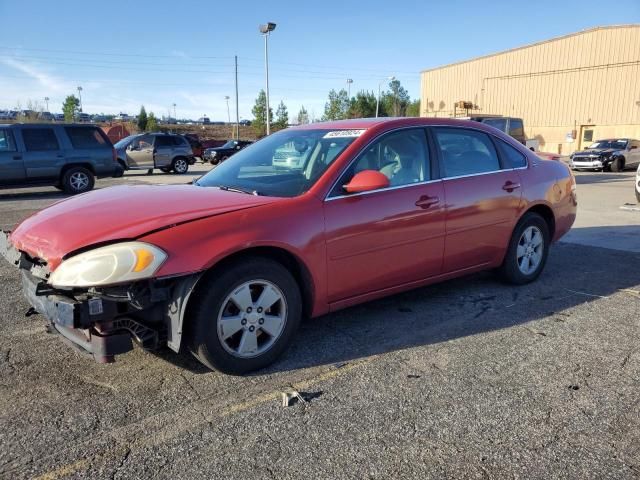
(180, 165)
(245, 316)
(617, 165)
(527, 252)
(77, 180)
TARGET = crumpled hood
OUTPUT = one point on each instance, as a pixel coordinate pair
(119, 213)
(597, 151)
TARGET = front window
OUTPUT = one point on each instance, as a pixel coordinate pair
(230, 144)
(285, 164)
(616, 144)
(125, 141)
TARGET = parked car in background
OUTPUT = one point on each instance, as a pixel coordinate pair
(83, 117)
(228, 266)
(58, 117)
(69, 157)
(637, 189)
(198, 145)
(220, 154)
(245, 123)
(147, 151)
(512, 126)
(45, 116)
(612, 155)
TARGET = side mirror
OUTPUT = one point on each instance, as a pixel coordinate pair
(365, 181)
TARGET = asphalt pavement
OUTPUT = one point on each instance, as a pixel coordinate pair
(469, 378)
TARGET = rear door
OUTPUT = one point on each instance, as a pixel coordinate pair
(163, 148)
(11, 160)
(634, 153)
(43, 154)
(482, 197)
(90, 145)
(140, 152)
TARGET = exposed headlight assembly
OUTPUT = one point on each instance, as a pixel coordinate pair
(113, 264)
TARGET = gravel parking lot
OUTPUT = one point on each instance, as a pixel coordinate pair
(470, 378)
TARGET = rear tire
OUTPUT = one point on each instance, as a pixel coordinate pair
(225, 335)
(527, 252)
(77, 180)
(180, 165)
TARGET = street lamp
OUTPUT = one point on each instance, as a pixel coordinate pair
(391, 79)
(175, 117)
(227, 97)
(266, 30)
(80, 97)
(46, 101)
(349, 82)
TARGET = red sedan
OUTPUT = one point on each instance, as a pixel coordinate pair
(227, 267)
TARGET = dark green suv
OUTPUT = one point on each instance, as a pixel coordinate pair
(68, 156)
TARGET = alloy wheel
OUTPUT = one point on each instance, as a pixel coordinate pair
(252, 318)
(79, 181)
(530, 250)
(180, 166)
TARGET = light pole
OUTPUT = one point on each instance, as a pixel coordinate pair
(391, 79)
(80, 97)
(349, 82)
(266, 30)
(46, 101)
(175, 116)
(227, 97)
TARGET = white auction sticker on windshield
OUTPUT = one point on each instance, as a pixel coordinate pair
(344, 134)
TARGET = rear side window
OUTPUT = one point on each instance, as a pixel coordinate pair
(514, 158)
(6, 141)
(515, 128)
(465, 152)
(40, 139)
(82, 137)
(499, 123)
(164, 141)
(179, 141)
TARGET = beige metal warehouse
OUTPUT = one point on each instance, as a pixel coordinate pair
(568, 90)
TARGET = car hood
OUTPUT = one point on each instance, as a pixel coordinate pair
(597, 151)
(121, 213)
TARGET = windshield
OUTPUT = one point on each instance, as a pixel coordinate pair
(125, 141)
(618, 144)
(285, 164)
(229, 144)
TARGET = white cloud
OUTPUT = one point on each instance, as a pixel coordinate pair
(46, 80)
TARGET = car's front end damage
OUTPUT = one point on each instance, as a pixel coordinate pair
(104, 320)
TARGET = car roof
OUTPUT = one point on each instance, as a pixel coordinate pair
(391, 122)
(4, 125)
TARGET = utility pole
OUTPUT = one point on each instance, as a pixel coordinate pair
(266, 30)
(80, 97)
(349, 82)
(175, 117)
(237, 107)
(46, 101)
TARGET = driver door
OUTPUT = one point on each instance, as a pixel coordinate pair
(140, 152)
(388, 237)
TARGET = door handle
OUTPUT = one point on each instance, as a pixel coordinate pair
(510, 186)
(17, 157)
(425, 201)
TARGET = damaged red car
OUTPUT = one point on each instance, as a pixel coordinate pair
(227, 267)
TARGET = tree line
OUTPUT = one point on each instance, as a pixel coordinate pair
(394, 102)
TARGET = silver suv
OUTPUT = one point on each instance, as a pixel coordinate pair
(146, 151)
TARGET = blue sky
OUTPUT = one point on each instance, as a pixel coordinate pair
(125, 54)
